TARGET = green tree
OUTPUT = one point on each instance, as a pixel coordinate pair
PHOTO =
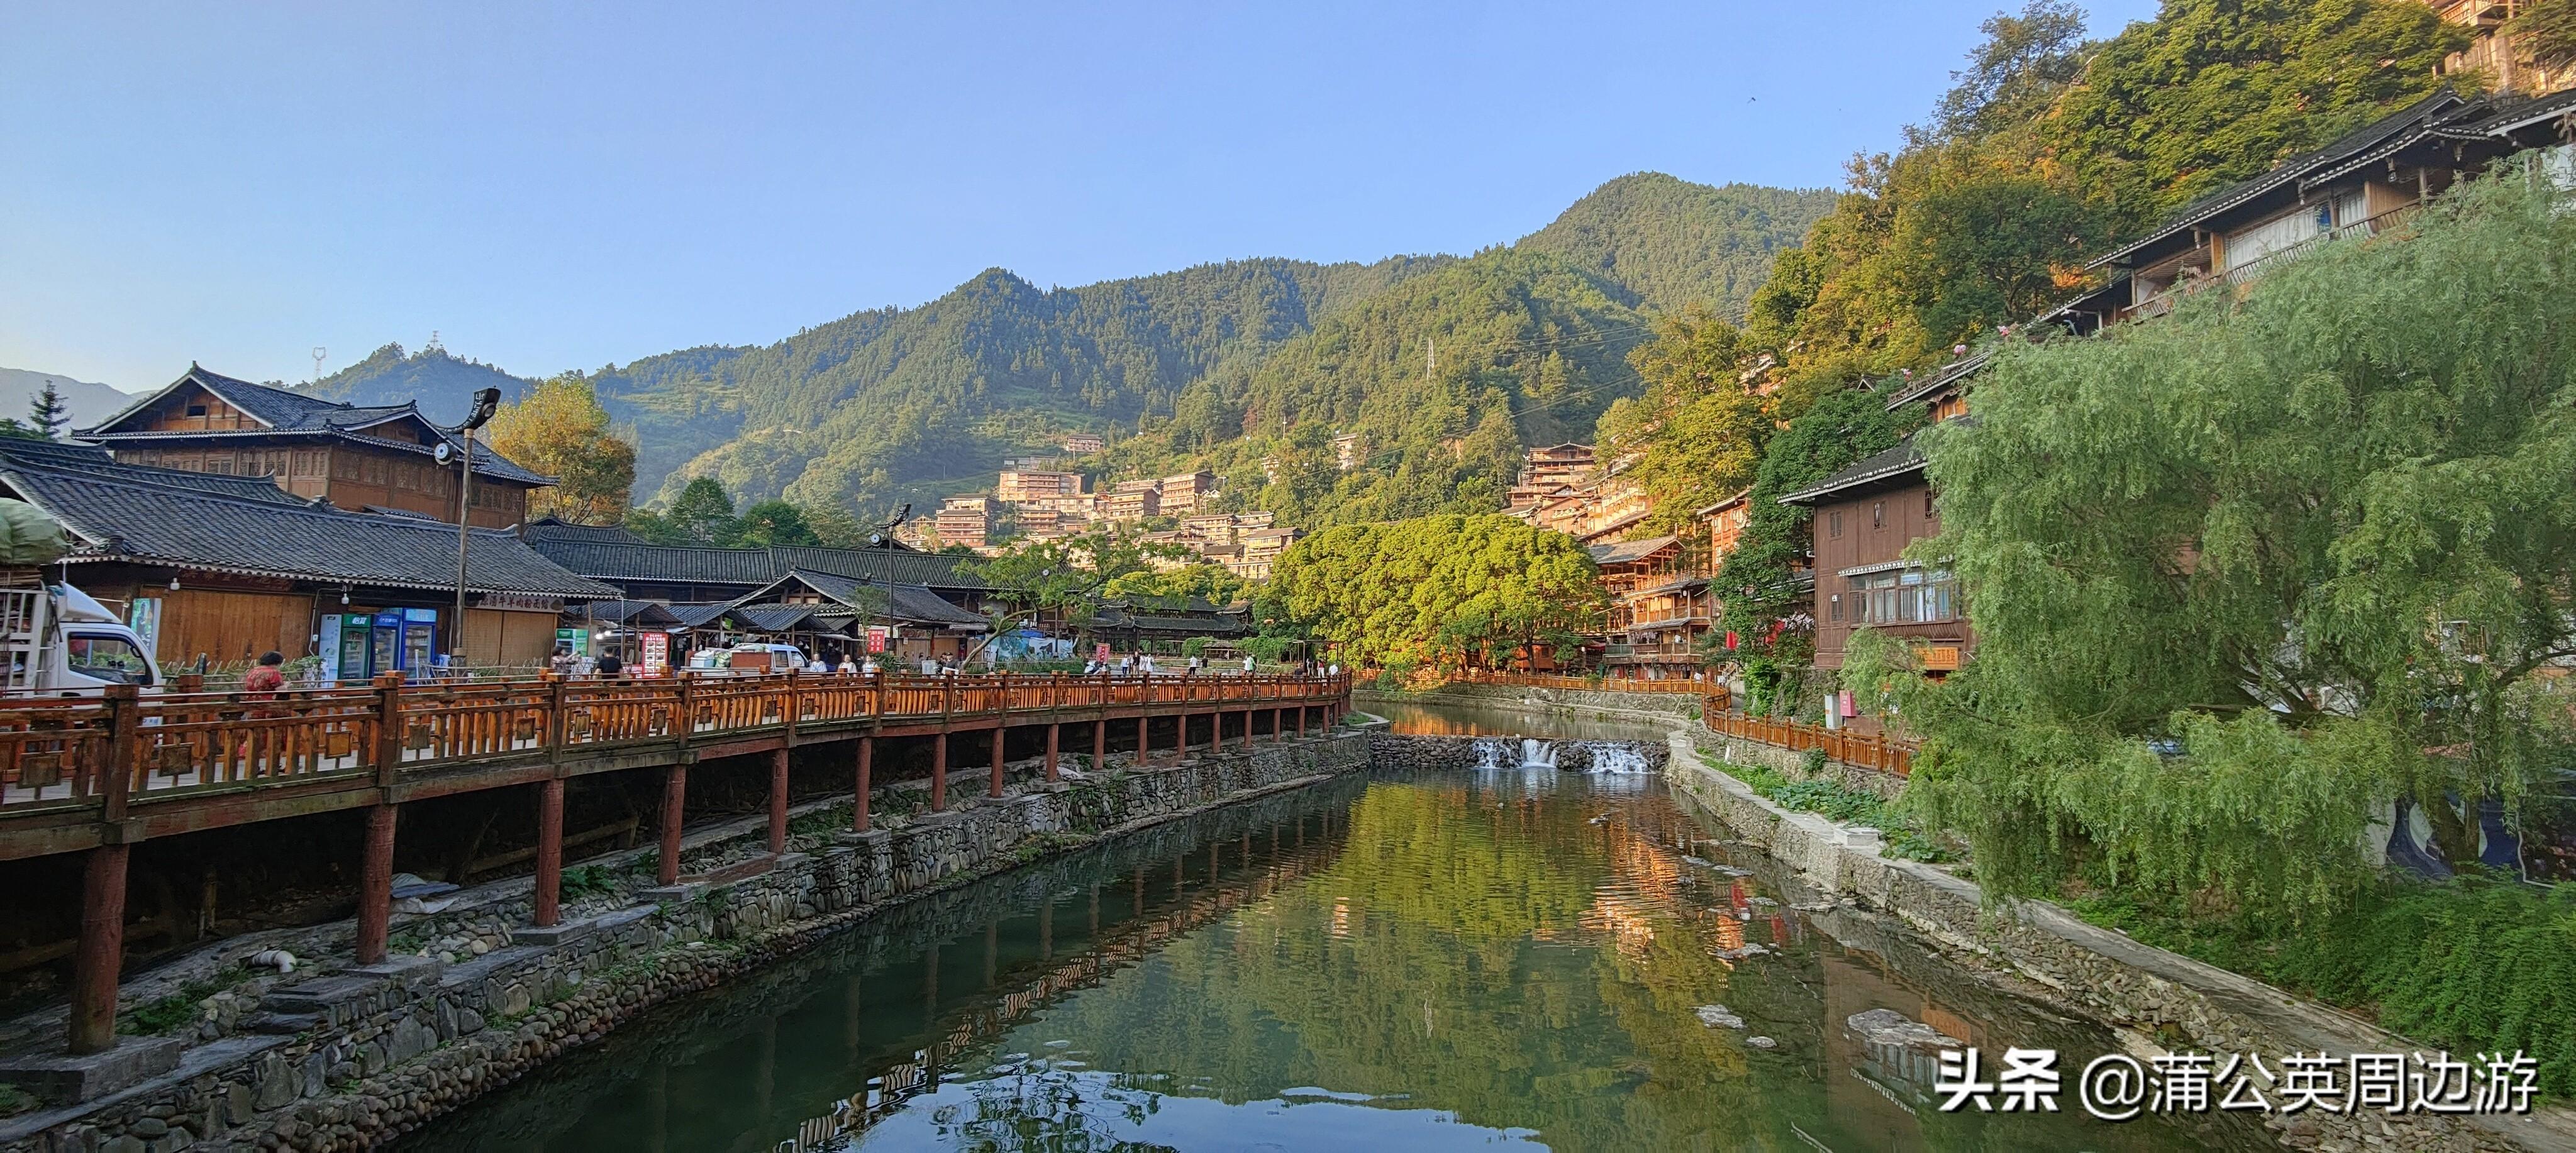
(2048, 150)
(1443, 591)
(2548, 29)
(702, 514)
(1762, 599)
(771, 522)
(1065, 578)
(2319, 539)
(1696, 433)
(558, 428)
(46, 412)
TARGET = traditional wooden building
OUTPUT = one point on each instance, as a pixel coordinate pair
(1161, 624)
(2364, 184)
(220, 568)
(384, 459)
(684, 574)
(909, 622)
(1660, 607)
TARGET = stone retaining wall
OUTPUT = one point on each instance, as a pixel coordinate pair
(351, 1059)
(2143, 992)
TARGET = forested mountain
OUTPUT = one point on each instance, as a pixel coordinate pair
(444, 385)
(1441, 378)
(1675, 243)
(902, 404)
(908, 404)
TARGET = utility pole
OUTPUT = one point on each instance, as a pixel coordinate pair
(485, 401)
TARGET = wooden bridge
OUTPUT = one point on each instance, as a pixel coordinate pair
(98, 775)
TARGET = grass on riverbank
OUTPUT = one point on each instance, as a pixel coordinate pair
(2476, 964)
(1835, 801)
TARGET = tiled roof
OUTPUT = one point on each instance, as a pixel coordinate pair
(1112, 618)
(294, 414)
(2416, 120)
(133, 519)
(1875, 468)
(1940, 378)
(697, 616)
(617, 555)
(909, 604)
(623, 612)
(1622, 552)
(775, 618)
(90, 459)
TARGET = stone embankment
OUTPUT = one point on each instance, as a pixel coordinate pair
(350, 1059)
(2155, 999)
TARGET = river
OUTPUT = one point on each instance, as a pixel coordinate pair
(1513, 959)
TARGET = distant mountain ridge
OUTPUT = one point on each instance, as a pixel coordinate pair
(905, 404)
(86, 402)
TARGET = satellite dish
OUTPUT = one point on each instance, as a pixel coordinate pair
(873, 538)
(445, 452)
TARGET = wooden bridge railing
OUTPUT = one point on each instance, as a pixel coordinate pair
(81, 751)
(1864, 750)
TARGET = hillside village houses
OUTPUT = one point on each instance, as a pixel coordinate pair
(1662, 610)
(2362, 185)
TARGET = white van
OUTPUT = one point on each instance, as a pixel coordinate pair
(56, 639)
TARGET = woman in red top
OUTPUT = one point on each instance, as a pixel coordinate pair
(264, 680)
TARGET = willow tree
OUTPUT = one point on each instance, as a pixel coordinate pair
(2242, 576)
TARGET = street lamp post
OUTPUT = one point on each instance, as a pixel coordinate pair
(485, 401)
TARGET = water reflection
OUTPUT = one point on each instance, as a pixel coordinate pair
(1499, 959)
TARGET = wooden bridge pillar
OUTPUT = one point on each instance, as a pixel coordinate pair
(550, 806)
(102, 950)
(1054, 731)
(1247, 730)
(376, 885)
(675, 795)
(1301, 721)
(867, 753)
(1099, 744)
(1001, 733)
(939, 772)
(1144, 743)
(778, 801)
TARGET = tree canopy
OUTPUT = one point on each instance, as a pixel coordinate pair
(2048, 149)
(1696, 432)
(1442, 591)
(558, 428)
(2318, 539)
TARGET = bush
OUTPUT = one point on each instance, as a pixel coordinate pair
(2472, 965)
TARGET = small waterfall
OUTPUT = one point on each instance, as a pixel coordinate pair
(1489, 752)
(1617, 757)
(1537, 754)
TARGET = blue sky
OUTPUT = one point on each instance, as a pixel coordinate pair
(554, 187)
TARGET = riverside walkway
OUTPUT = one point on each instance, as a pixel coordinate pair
(99, 775)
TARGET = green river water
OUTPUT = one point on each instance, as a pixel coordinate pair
(1508, 959)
